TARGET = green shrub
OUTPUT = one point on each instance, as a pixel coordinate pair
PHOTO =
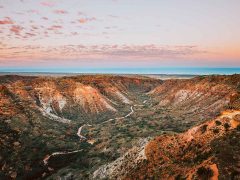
(180, 177)
(238, 128)
(215, 131)
(204, 173)
(218, 123)
(226, 126)
(204, 128)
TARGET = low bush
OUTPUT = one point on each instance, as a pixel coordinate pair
(218, 123)
(226, 126)
(204, 173)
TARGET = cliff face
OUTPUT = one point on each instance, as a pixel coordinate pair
(200, 92)
(197, 99)
(77, 98)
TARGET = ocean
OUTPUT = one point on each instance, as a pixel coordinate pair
(156, 70)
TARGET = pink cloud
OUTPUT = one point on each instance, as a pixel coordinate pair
(98, 52)
(30, 34)
(34, 27)
(44, 18)
(74, 33)
(82, 20)
(60, 11)
(48, 4)
(85, 20)
(7, 20)
(16, 29)
(55, 27)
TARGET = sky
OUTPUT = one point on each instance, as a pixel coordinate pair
(119, 33)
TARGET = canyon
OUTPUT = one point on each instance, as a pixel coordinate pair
(119, 127)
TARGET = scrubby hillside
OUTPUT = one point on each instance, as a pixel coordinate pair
(195, 154)
(99, 126)
(77, 98)
(197, 99)
(41, 115)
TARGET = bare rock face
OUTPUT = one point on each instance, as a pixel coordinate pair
(55, 100)
(195, 95)
(129, 161)
(118, 95)
(91, 100)
(71, 98)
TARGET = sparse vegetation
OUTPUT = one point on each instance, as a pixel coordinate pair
(238, 128)
(204, 128)
(218, 123)
(215, 131)
(226, 126)
(24, 122)
(205, 173)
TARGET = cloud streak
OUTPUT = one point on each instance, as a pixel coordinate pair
(16, 29)
(86, 20)
(6, 20)
(88, 31)
(47, 4)
(55, 27)
(60, 11)
(108, 51)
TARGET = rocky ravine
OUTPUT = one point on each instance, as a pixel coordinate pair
(43, 117)
(188, 155)
(130, 160)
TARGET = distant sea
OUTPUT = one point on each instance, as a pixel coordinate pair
(160, 70)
